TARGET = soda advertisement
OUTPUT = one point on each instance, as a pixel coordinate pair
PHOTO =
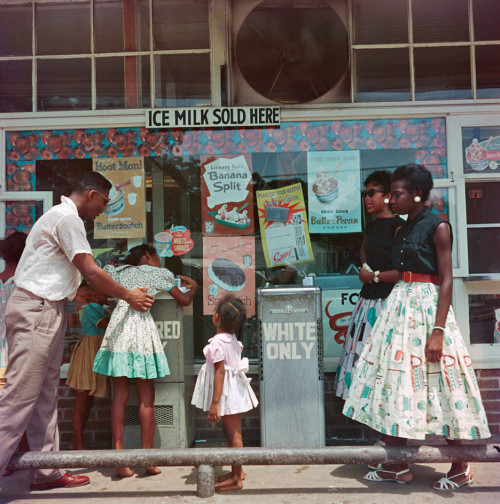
(228, 267)
(125, 213)
(283, 226)
(334, 192)
(227, 195)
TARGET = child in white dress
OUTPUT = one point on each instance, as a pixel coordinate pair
(222, 387)
(132, 348)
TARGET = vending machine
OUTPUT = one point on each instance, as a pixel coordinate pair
(291, 366)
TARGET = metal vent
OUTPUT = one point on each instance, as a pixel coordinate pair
(164, 415)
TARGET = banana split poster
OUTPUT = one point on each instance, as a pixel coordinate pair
(227, 195)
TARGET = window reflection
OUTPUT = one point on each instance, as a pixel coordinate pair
(442, 73)
(73, 28)
(488, 71)
(63, 84)
(182, 80)
(15, 86)
(486, 16)
(15, 30)
(484, 318)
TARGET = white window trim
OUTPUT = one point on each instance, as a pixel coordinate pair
(484, 356)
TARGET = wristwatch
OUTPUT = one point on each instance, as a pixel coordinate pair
(375, 278)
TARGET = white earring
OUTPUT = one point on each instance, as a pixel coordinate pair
(386, 200)
(417, 199)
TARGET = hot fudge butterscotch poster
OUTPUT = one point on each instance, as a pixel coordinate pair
(334, 192)
(228, 267)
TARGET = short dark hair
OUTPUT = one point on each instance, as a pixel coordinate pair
(414, 176)
(135, 253)
(12, 247)
(381, 178)
(92, 181)
(232, 313)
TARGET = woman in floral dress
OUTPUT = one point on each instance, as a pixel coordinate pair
(131, 347)
(415, 376)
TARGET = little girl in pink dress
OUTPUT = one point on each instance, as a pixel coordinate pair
(222, 387)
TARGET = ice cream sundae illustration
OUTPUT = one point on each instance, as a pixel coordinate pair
(325, 187)
(476, 156)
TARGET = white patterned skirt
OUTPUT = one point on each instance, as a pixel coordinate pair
(396, 392)
(363, 318)
(237, 394)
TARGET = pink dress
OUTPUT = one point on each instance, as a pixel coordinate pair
(237, 394)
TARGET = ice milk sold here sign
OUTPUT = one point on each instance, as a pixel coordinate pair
(212, 117)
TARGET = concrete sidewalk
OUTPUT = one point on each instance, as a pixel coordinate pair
(314, 484)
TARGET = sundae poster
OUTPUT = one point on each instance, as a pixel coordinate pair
(125, 214)
(227, 195)
(283, 226)
(228, 267)
(482, 154)
(334, 192)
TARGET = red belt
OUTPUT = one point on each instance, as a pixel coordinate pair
(408, 276)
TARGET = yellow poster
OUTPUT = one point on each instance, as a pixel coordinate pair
(283, 226)
(125, 214)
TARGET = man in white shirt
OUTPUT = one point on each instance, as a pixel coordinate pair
(56, 252)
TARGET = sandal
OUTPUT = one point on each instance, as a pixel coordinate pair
(374, 476)
(446, 483)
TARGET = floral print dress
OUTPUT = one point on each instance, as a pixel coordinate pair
(131, 346)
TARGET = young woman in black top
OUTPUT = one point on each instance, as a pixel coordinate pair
(415, 376)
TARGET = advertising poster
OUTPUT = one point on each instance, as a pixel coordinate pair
(334, 192)
(337, 308)
(227, 195)
(283, 226)
(482, 154)
(228, 267)
(125, 214)
(173, 241)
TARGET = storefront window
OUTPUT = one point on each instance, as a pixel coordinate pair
(442, 73)
(180, 25)
(486, 15)
(110, 17)
(15, 86)
(113, 88)
(251, 206)
(182, 80)
(64, 84)
(72, 34)
(381, 22)
(488, 71)
(484, 318)
(15, 30)
(382, 75)
(443, 21)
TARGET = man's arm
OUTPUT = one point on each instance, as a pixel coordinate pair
(100, 281)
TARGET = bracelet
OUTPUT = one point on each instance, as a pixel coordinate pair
(437, 327)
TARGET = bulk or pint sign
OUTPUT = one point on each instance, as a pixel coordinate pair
(212, 117)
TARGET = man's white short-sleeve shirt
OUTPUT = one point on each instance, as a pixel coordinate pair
(46, 268)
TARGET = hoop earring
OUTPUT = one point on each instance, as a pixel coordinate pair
(386, 201)
(417, 199)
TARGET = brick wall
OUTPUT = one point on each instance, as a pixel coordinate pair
(339, 429)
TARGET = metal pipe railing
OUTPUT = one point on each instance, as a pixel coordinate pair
(206, 458)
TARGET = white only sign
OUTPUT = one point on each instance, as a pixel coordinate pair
(210, 117)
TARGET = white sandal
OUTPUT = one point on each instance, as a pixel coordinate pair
(374, 476)
(446, 483)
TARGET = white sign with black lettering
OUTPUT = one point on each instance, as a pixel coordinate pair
(212, 117)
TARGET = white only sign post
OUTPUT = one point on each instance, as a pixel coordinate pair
(291, 367)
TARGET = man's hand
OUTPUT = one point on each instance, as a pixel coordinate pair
(139, 299)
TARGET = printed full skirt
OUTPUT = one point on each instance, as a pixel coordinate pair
(396, 392)
(80, 374)
(237, 394)
(363, 318)
(131, 346)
